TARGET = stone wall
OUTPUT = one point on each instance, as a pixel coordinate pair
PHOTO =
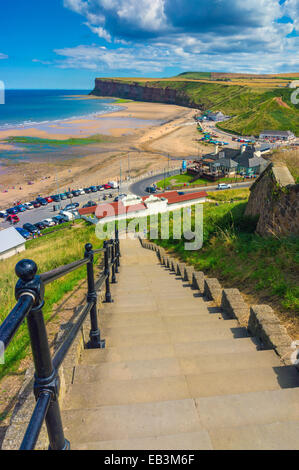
(275, 199)
(260, 320)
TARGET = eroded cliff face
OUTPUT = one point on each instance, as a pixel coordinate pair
(137, 92)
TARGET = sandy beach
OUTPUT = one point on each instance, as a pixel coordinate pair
(148, 132)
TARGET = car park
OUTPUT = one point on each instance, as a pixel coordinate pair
(48, 222)
(30, 228)
(25, 234)
(13, 219)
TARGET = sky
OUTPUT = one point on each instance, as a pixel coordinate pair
(66, 44)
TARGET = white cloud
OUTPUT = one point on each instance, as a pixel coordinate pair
(199, 34)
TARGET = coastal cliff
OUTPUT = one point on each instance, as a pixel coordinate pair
(137, 92)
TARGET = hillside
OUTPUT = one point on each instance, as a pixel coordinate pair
(252, 108)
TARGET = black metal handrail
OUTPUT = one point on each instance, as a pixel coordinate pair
(29, 293)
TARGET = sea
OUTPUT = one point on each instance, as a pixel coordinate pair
(27, 108)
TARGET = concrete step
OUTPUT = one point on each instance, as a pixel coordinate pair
(218, 346)
(174, 366)
(274, 436)
(125, 392)
(137, 421)
(229, 382)
(255, 408)
(188, 441)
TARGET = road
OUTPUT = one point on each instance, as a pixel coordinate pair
(139, 187)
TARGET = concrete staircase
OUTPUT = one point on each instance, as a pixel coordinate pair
(176, 374)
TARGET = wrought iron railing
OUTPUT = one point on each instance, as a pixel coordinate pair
(29, 293)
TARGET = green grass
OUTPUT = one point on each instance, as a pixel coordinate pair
(178, 181)
(75, 141)
(59, 248)
(122, 100)
(252, 109)
(237, 256)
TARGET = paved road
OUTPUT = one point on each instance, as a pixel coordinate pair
(139, 187)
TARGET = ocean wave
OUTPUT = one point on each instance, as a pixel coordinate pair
(28, 123)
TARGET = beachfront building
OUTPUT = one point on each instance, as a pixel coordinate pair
(293, 84)
(277, 135)
(132, 206)
(226, 166)
(11, 243)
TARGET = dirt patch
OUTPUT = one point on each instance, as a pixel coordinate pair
(281, 102)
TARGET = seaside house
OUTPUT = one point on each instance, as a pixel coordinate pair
(277, 135)
(11, 243)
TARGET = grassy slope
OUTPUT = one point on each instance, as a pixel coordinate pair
(266, 268)
(55, 249)
(252, 109)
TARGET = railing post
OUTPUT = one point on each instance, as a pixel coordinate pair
(46, 377)
(108, 297)
(117, 250)
(94, 335)
(113, 260)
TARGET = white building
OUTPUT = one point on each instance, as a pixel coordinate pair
(133, 206)
(294, 84)
(11, 243)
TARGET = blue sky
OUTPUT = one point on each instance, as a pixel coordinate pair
(67, 43)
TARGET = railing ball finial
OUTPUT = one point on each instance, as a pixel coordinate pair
(88, 247)
(26, 269)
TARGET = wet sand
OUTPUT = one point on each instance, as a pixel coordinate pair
(148, 132)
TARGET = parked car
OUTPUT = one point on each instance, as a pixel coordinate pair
(151, 190)
(42, 201)
(67, 216)
(69, 195)
(13, 219)
(30, 228)
(48, 222)
(21, 208)
(29, 206)
(63, 196)
(87, 190)
(90, 204)
(74, 205)
(81, 191)
(3, 214)
(49, 199)
(120, 196)
(58, 219)
(93, 189)
(12, 211)
(223, 186)
(107, 186)
(100, 187)
(25, 234)
(76, 193)
(56, 198)
(35, 204)
(75, 213)
(40, 225)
